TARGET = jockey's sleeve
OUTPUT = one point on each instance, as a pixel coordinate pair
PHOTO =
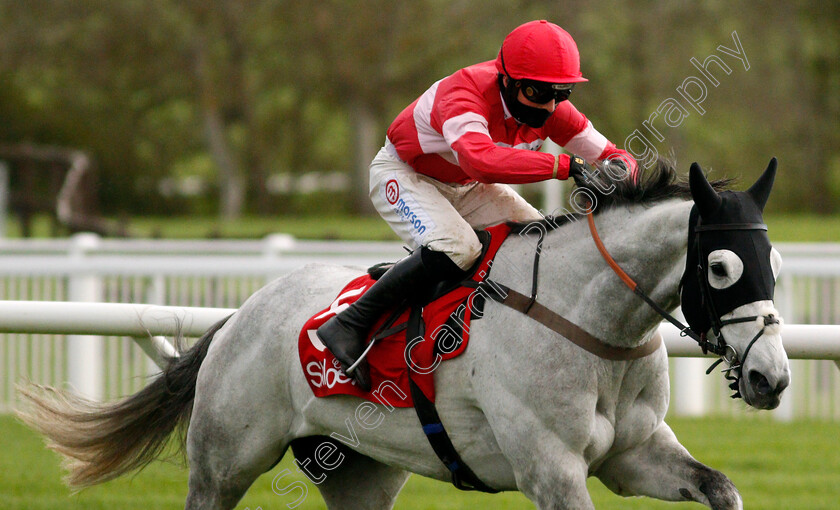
(461, 116)
(484, 161)
(588, 143)
(593, 146)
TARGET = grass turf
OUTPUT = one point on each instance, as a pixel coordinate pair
(774, 465)
(783, 227)
(798, 228)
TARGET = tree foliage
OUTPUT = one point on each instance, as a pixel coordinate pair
(235, 91)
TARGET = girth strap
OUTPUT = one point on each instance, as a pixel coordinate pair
(462, 476)
(568, 329)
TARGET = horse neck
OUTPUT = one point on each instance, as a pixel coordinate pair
(576, 282)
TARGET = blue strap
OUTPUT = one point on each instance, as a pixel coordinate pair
(433, 428)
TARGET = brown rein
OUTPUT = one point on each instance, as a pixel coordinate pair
(604, 253)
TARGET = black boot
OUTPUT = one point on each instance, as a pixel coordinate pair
(346, 333)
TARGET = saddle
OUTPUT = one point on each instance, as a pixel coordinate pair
(404, 348)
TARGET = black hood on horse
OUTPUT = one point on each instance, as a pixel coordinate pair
(736, 218)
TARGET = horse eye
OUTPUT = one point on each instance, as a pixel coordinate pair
(725, 268)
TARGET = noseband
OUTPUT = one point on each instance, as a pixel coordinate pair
(720, 347)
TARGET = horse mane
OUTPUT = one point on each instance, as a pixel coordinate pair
(656, 183)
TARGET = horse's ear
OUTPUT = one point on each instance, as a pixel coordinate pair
(704, 195)
(760, 191)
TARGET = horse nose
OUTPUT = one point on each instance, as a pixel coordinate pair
(765, 387)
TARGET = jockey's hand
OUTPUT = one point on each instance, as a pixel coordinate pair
(622, 167)
(619, 164)
(617, 169)
(579, 170)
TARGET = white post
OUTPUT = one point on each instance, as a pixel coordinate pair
(157, 349)
(275, 245)
(85, 354)
(149, 344)
(784, 298)
(4, 198)
(690, 391)
(689, 394)
(786, 409)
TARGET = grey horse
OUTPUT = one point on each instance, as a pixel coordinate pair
(526, 409)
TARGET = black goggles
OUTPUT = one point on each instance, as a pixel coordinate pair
(541, 92)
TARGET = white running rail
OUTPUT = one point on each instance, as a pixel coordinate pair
(71, 329)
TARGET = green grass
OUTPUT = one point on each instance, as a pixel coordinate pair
(775, 465)
(783, 227)
(803, 228)
(368, 228)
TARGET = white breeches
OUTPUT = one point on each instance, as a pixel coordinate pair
(441, 216)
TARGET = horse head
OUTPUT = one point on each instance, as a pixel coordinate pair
(728, 285)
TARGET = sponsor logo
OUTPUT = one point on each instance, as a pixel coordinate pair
(392, 191)
(411, 217)
(407, 208)
(322, 375)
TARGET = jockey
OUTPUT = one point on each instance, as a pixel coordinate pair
(447, 162)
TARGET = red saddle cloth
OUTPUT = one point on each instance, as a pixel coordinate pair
(446, 319)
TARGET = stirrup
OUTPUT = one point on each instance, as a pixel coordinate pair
(355, 365)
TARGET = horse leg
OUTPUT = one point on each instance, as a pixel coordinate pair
(346, 478)
(556, 480)
(662, 468)
(226, 456)
(547, 471)
(240, 423)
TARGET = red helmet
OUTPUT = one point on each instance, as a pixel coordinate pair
(541, 51)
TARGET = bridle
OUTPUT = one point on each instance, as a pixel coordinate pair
(720, 347)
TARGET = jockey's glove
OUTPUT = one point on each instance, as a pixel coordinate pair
(579, 169)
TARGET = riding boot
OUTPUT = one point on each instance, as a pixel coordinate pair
(346, 333)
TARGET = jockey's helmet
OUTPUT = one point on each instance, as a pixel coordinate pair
(540, 51)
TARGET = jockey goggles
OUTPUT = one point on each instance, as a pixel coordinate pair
(540, 92)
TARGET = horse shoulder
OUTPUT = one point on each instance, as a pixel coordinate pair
(643, 397)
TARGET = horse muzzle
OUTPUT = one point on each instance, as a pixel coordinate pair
(763, 382)
(764, 393)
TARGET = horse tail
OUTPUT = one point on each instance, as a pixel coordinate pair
(102, 441)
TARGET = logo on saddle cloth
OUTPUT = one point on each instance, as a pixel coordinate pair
(446, 321)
